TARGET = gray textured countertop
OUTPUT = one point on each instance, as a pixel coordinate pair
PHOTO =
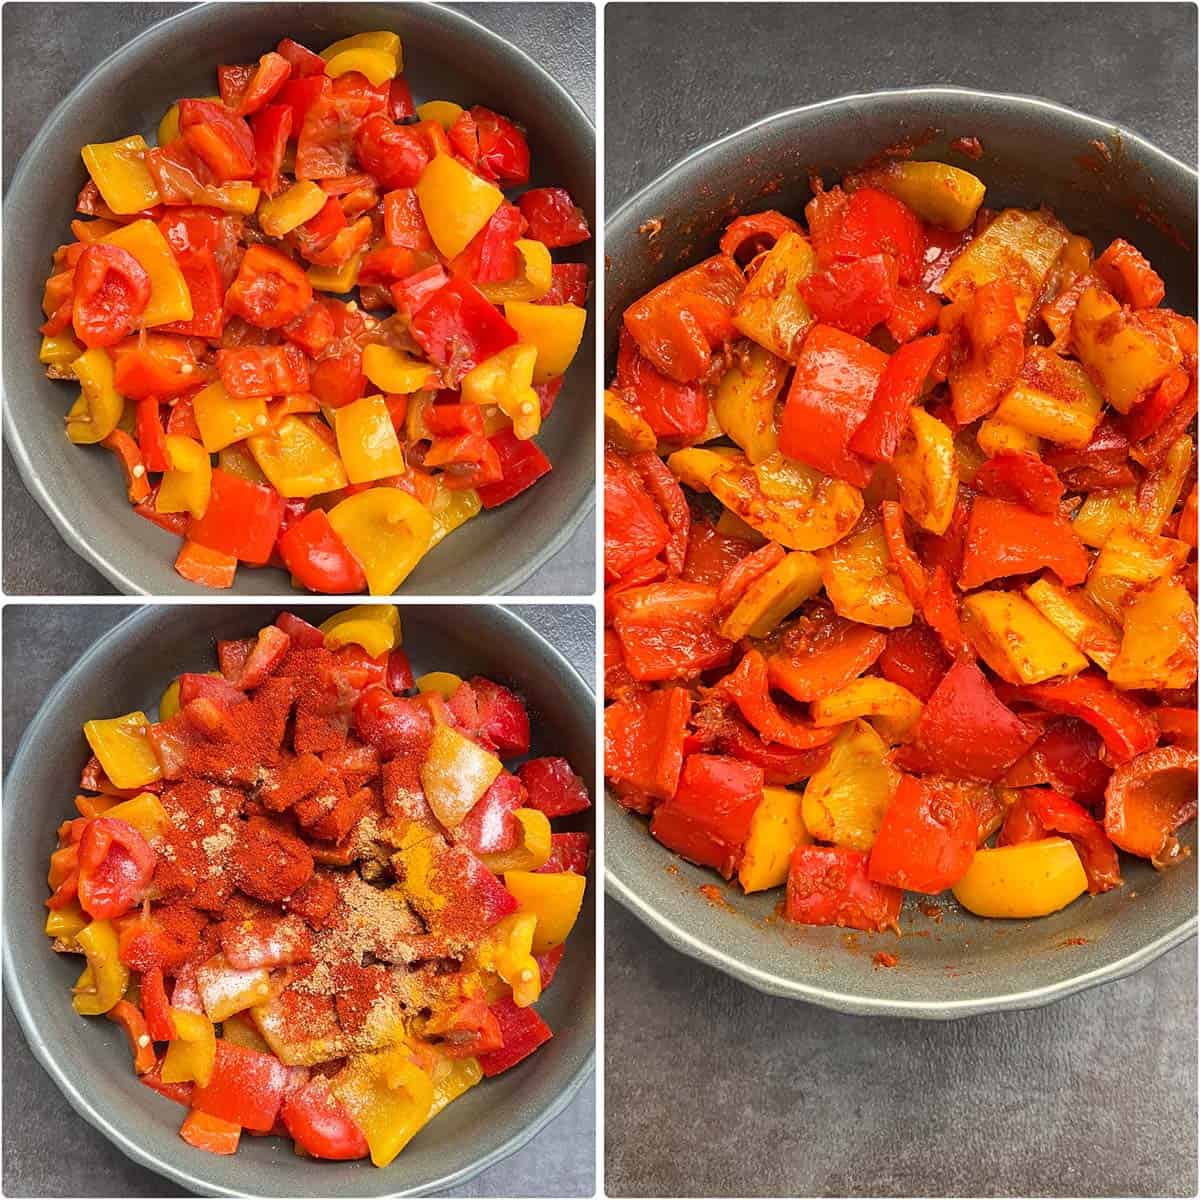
(48, 48)
(712, 1088)
(47, 1149)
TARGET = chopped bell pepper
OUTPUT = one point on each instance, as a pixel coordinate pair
(506, 380)
(297, 459)
(522, 464)
(187, 484)
(554, 898)
(1009, 539)
(242, 519)
(246, 1087)
(124, 752)
(209, 1133)
(388, 1096)
(506, 949)
(643, 740)
(455, 203)
(380, 39)
(199, 564)
(374, 627)
(1148, 798)
(531, 852)
(105, 978)
(887, 418)
(192, 1053)
(1032, 879)
(847, 796)
(927, 837)
(1015, 640)
(99, 408)
(224, 419)
(367, 440)
(118, 169)
(170, 300)
(828, 885)
(387, 531)
(523, 1031)
(144, 812)
(555, 330)
(393, 371)
(377, 65)
(532, 280)
(455, 774)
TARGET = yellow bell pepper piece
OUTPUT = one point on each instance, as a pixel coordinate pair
(534, 849)
(451, 1078)
(1102, 512)
(98, 410)
(377, 65)
(187, 485)
(926, 470)
(145, 813)
(395, 372)
(387, 531)
(59, 348)
(236, 459)
(297, 460)
(862, 583)
(389, 43)
(455, 774)
(236, 196)
(893, 710)
(1032, 879)
(224, 419)
(1131, 559)
(374, 627)
(337, 280)
(554, 898)
(773, 595)
(168, 706)
(937, 192)
(1053, 398)
(1166, 488)
(170, 299)
(442, 683)
(66, 922)
(533, 279)
(451, 509)
(105, 979)
(168, 127)
(771, 311)
(776, 829)
(1158, 650)
(289, 210)
(240, 1029)
(1015, 640)
(555, 329)
(508, 949)
(624, 427)
(388, 1095)
(744, 402)
(1071, 612)
(506, 380)
(367, 440)
(455, 203)
(225, 990)
(444, 112)
(121, 746)
(995, 437)
(192, 1053)
(845, 800)
(119, 170)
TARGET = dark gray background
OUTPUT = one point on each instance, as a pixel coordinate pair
(711, 1088)
(48, 48)
(50, 1151)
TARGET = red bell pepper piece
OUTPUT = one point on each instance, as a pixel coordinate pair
(1009, 539)
(780, 764)
(393, 724)
(490, 826)
(707, 821)
(914, 658)
(338, 380)
(303, 61)
(1039, 812)
(181, 1093)
(1067, 757)
(668, 630)
(411, 293)
(394, 155)
(1127, 727)
(1021, 478)
(491, 256)
(399, 672)
(247, 1087)
(939, 607)
(115, 868)
(676, 412)
(400, 100)
(553, 787)
(748, 687)
(1148, 799)
(219, 137)
(242, 519)
(878, 435)
(265, 79)
(271, 127)
(111, 292)
(523, 1032)
(210, 1133)
(1102, 463)
(634, 531)
(554, 218)
(318, 558)
(871, 222)
(300, 93)
(303, 635)
(522, 464)
(154, 364)
(1176, 725)
(270, 289)
(320, 1124)
(927, 837)
(200, 239)
(157, 1010)
(678, 324)
(129, 1017)
(264, 370)
(503, 151)
(1129, 276)
(643, 740)
(965, 732)
(852, 296)
(755, 233)
(200, 564)
(663, 488)
(908, 566)
(832, 391)
(710, 554)
(822, 652)
(458, 327)
(502, 722)
(569, 285)
(828, 885)
(403, 223)
(987, 350)
(744, 572)
(312, 330)
(914, 313)
(568, 852)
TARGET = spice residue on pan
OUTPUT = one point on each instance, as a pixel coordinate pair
(651, 228)
(714, 895)
(972, 147)
(931, 911)
(884, 959)
(1075, 941)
